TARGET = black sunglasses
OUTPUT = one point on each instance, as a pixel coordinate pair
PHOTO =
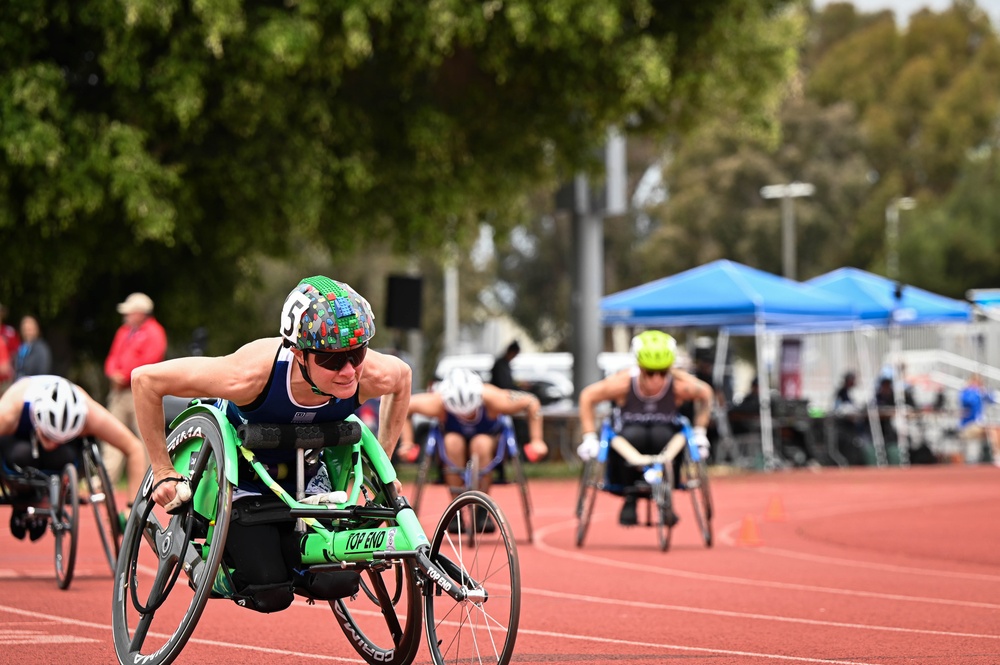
(656, 372)
(335, 360)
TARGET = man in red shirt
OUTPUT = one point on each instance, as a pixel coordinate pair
(139, 341)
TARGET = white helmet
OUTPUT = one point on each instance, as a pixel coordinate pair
(58, 409)
(462, 391)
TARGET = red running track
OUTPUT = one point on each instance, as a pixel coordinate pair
(858, 566)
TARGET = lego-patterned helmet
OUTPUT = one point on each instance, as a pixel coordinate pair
(321, 314)
(654, 350)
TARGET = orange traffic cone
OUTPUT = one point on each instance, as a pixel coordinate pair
(775, 510)
(748, 533)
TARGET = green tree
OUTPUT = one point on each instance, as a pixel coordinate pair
(165, 146)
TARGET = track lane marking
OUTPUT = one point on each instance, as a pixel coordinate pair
(541, 545)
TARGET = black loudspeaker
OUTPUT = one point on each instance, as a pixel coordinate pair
(404, 302)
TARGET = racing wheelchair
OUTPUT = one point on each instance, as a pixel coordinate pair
(659, 482)
(467, 595)
(507, 451)
(53, 497)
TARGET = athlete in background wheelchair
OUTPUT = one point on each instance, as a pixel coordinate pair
(645, 402)
(472, 435)
(48, 443)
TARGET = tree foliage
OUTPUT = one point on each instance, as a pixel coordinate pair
(165, 145)
(878, 110)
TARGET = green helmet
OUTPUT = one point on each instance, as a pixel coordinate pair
(654, 350)
(321, 314)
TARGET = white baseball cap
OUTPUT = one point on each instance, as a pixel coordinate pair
(136, 302)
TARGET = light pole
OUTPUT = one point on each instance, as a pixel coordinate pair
(892, 234)
(786, 193)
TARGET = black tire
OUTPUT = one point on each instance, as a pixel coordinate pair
(522, 482)
(102, 499)
(190, 542)
(591, 482)
(65, 524)
(382, 621)
(472, 480)
(694, 476)
(661, 496)
(483, 628)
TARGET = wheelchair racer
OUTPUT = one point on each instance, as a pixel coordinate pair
(469, 413)
(319, 370)
(645, 400)
(39, 415)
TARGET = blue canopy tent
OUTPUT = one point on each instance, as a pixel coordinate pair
(879, 301)
(728, 296)
(875, 301)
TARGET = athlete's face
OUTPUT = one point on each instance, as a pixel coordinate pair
(336, 372)
(653, 379)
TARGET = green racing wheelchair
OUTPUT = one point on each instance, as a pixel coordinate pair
(465, 593)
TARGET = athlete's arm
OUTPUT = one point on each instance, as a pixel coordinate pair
(238, 377)
(390, 378)
(689, 388)
(612, 388)
(104, 426)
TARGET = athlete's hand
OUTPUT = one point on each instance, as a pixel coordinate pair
(536, 450)
(167, 490)
(700, 439)
(589, 448)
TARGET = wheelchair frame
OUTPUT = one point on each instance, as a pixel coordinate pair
(374, 531)
(507, 450)
(60, 490)
(659, 484)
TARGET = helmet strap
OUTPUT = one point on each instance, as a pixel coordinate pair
(305, 375)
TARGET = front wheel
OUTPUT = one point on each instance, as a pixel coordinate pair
(66, 524)
(662, 500)
(168, 563)
(482, 628)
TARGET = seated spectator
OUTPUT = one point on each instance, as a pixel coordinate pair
(973, 425)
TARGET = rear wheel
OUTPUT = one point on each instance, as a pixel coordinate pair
(66, 524)
(482, 628)
(382, 621)
(522, 482)
(102, 499)
(591, 481)
(152, 615)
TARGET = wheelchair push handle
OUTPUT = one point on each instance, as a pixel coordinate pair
(290, 437)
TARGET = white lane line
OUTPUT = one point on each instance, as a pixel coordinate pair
(747, 615)
(541, 545)
(229, 645)
(884, 567)
(679, 647)
(539, 633)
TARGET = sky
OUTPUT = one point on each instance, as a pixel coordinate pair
(903, 8)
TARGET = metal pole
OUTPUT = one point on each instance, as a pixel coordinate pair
(588, 287)
(450, 304)
(786, 193)
(892, 241)
(787, 237)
